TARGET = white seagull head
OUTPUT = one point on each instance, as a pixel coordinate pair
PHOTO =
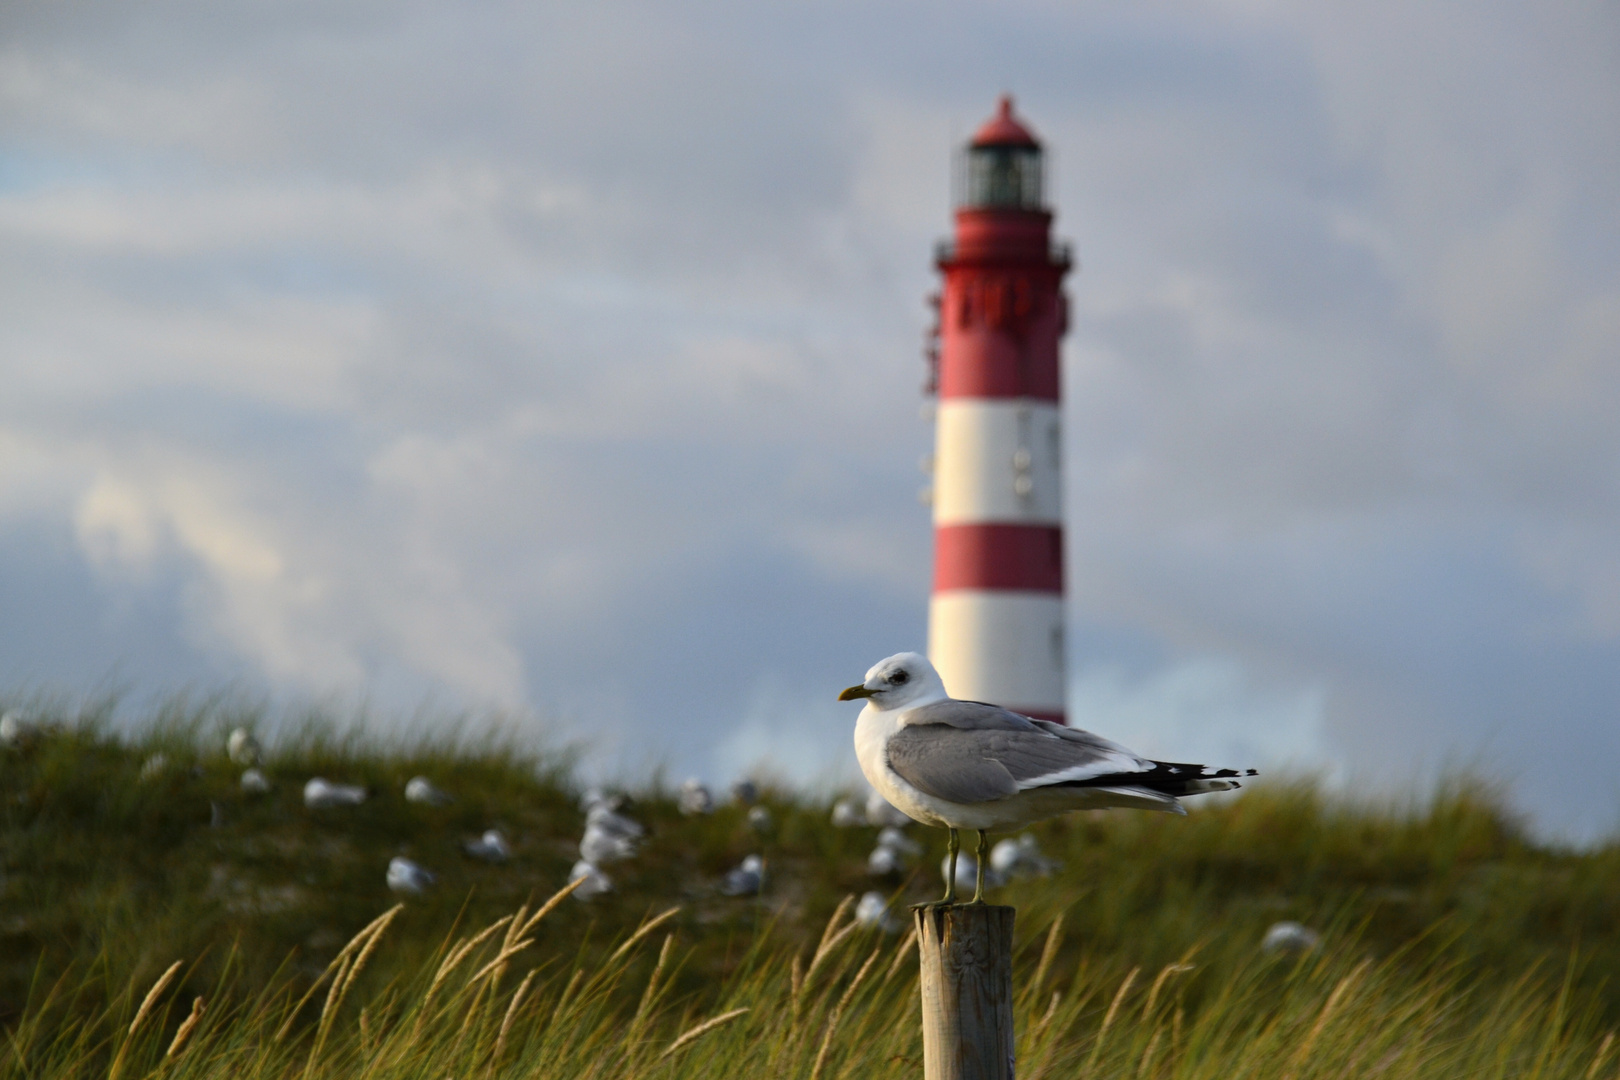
(903, 681)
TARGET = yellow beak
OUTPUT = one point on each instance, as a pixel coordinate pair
(854, 692)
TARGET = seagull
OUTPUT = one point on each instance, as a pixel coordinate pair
(1290, 937)
(419, 789)
(1020, 858)
(847, 815)
(695, 798)
(408, 877)
(873, 910)
(746, 879)
(596, 882)
(320, 793)
(17, 731)
(968, 765)
(243, 748)
(491, 847)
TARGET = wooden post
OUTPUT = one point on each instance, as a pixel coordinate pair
(966, 955)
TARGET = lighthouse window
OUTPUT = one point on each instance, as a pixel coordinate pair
(1003, 176)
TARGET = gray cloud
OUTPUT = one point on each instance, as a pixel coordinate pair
(563, 359)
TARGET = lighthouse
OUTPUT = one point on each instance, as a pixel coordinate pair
(995, 619)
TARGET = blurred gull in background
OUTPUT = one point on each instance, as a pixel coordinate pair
(242, 747)
(745, 792)
(847, 814)
(967, 868)
(601, 847)
(491, 847)
(419, 789)
(604, 815)
(747, 879)
(321, 794)
(695, 798)
(254, 782)
(609, 835)
(1290, 937)
(873, 910)
(407, 877)
(894, 850)
(596, 882)
(1020, 857)
(16, 731)
(879, 811)
(760, 819)
(885, 861)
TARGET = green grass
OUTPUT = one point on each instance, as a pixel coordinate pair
(1453, 944)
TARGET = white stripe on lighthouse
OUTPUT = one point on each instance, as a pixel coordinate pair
(999, 646)
(997, 460)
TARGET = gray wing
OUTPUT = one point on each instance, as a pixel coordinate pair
(969, 752)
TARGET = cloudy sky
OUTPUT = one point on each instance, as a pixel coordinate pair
(562, 361)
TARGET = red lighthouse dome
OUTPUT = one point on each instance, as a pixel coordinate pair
(1004, 129)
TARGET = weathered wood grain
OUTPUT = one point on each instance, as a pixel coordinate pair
(966, 955)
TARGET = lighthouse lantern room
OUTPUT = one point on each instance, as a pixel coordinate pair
(995, 627)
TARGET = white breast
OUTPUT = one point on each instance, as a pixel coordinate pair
(872, 731)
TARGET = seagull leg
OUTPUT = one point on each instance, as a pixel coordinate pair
(982, 853)
(953, 845)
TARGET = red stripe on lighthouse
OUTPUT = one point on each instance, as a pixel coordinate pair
(1024, 557)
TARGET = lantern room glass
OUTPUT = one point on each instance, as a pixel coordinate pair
(1002, 177)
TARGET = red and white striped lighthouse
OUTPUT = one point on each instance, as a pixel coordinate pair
(995, 621)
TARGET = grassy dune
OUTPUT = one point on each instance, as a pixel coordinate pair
(1453, 945)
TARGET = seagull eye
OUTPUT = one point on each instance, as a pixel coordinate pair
(899, 678)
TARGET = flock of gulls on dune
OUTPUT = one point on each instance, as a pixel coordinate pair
(954, 764)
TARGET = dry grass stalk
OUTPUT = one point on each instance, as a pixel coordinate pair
(1046, 1017)
(511, 1015)
(327, 1011)
(151, 997)
(515, 929)
(828, 931)
(1601, 1055)
(646, 928)
(838, 1012)
(567, 994)
(451, 962)
(1339, 991)
(472, 1011)
(377, 928)
(500, 961)
(187, 1026)
(702, 1029)
(460, 952)
(1147, 1055)
(1054, 938)
(141, 1014)
(550, 905)
(1108, 1018)
(900, 954)
(648, 994)
(358, 941)
(831, 937)
(1158, 984)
